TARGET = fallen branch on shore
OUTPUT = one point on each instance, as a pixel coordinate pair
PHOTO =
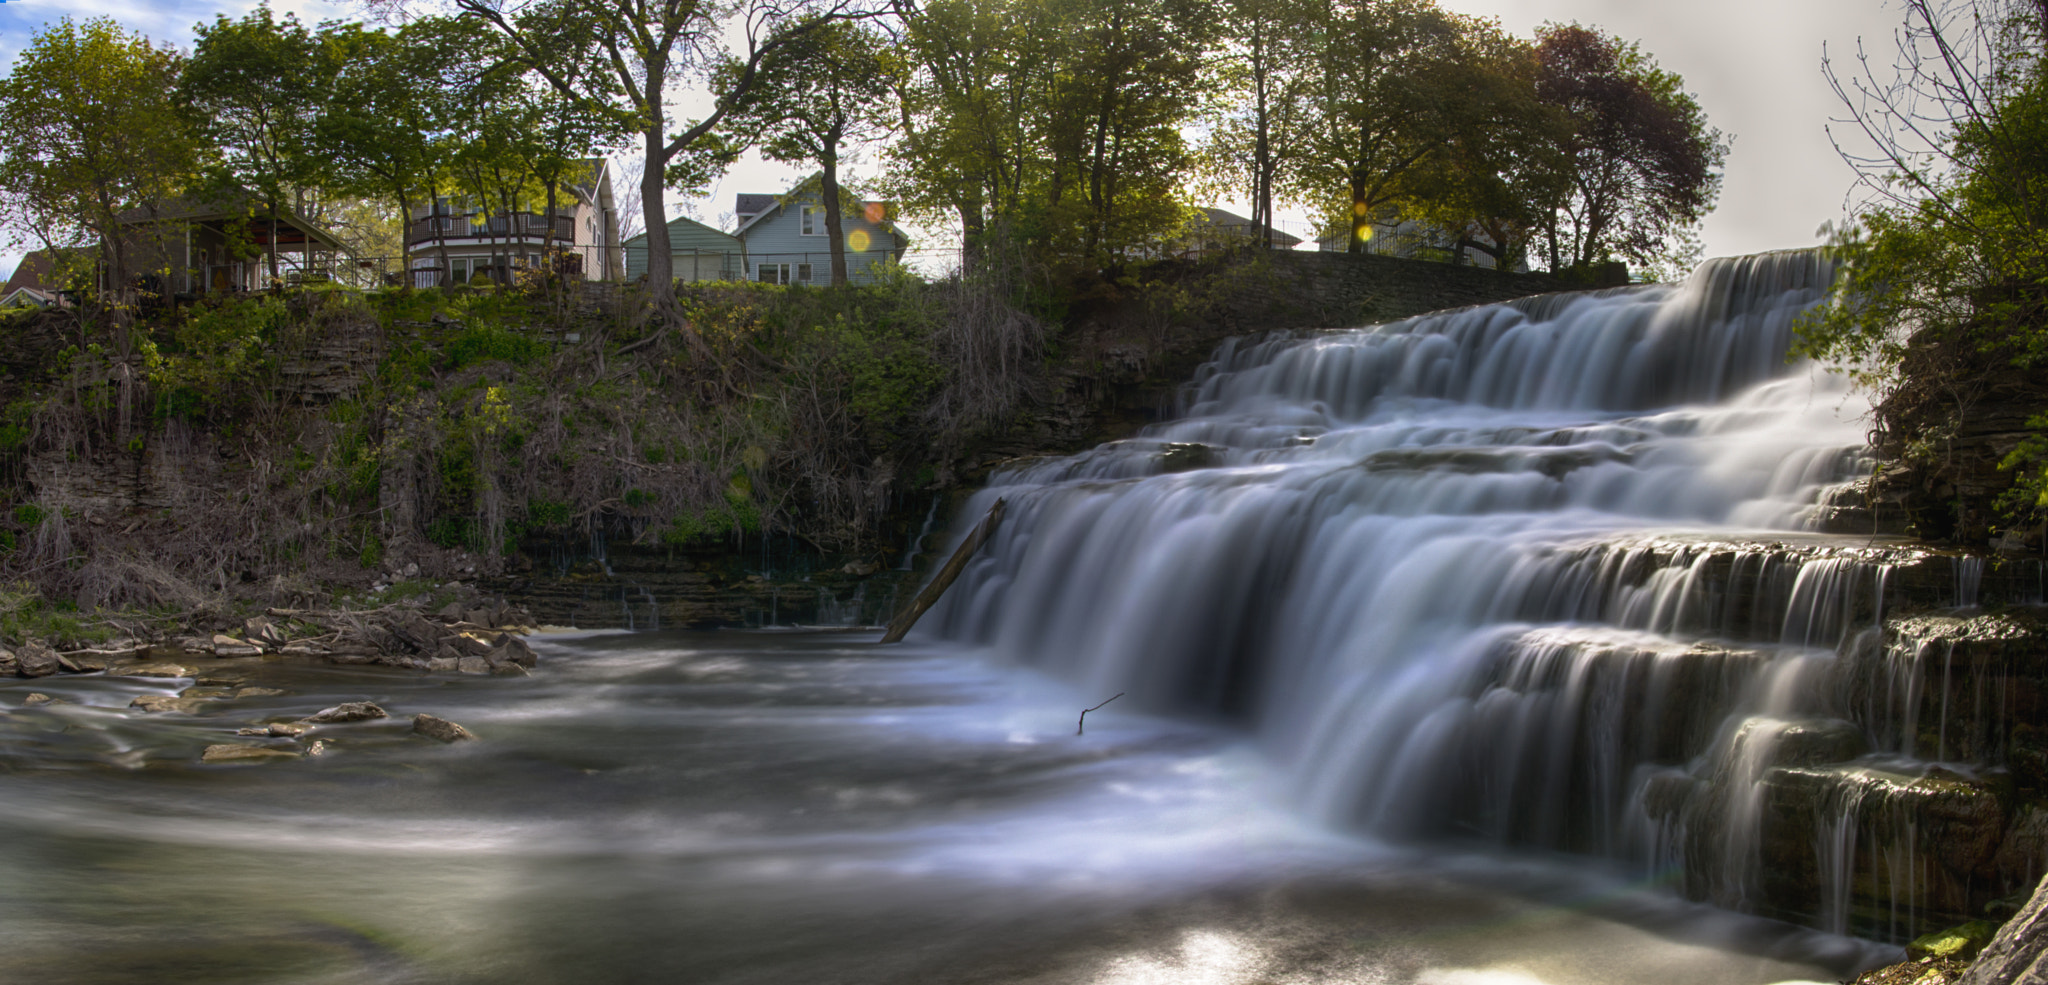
(1082, 725)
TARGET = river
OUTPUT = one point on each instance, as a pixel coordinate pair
(770, 807)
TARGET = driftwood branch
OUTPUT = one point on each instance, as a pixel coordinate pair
(1082, 725)
(927, 598)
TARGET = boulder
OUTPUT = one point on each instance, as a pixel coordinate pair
(39, 698)
(444, 664)
(259, 692)
(480, 617)
(514, 649)
(2018, 953)
(506, 668)
(36, 660)
(86, 661)
(474, 643)
(347, 711)
(259, 629)
(167, 702)
(434, 727)
(227, 646)
(9, 667)
(451, 612)
(235, 752)
(473, 665)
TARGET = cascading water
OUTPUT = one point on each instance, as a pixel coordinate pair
(1530, 573)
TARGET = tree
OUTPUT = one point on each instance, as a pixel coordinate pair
(1383, 73)
(1501, 169)
(831, 88)
(1259, 87)
(1941, 294)
(258, 83)
(383, 125)
(1640, 156)
(642, 48)
(970, 104)
(94, 131)
(1123, 84)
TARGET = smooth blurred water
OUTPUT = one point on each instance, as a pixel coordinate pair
(760, 807)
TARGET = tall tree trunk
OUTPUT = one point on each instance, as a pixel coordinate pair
(835, 236)
(547, 241)
(404, 244)
(661, 270)
(972, 230)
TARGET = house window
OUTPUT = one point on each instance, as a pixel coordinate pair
(772, 273)
(814, 220)
(803, 273)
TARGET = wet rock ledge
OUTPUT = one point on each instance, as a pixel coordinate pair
(481, 639)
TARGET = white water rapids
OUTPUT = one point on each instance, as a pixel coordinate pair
(1450, 570)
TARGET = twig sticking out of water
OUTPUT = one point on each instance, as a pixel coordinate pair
(1082, 725)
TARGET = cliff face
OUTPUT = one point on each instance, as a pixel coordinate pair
(1961, 408)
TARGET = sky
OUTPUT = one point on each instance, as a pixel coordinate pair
(1754, 64)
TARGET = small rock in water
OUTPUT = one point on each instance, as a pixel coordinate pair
(347, 711)
(280, 730)
(236, 752)
(506, 668)
(39, 698)
(434, 727)
(259, 692)
(166, 702)
(318, 748)
(473, 665)
(443, 664)
(156, 669)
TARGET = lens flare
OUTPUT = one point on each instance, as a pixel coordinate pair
(857, 241)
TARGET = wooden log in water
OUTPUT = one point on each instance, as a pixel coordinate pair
(958, 563)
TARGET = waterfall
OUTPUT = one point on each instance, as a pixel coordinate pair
(1537, 574)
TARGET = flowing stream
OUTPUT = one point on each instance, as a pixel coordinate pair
(1452, 649)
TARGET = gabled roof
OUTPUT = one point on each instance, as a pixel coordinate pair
(1230, 220)
(688, 226)
(36, 271)
(770, 204)
(30, 296)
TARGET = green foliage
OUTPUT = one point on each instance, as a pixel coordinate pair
(93, 130)
(548, 514)
(30, 515)
(218, 356)
(484, 341)
(738, 513)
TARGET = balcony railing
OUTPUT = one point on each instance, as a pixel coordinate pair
(522, 226)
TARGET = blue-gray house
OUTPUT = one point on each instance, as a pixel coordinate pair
(785, 243)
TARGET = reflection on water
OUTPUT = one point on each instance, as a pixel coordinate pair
(771, 808)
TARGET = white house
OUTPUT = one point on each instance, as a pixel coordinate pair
(496, 245)
(784, 240)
